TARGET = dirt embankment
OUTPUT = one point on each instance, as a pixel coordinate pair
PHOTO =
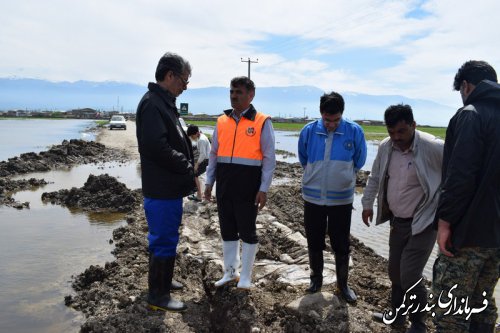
(67, 154)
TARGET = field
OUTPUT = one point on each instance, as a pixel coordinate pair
(372, 132)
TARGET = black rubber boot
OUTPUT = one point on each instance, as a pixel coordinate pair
(418, 323)
(160, 275)
(316, 265)
(397, 296)
(418, 319)
(176, 285)
(399, 322)
(342, 267)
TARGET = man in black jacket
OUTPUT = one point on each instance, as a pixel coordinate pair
(167, 174)
(468, 214)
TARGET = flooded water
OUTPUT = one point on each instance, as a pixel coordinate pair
(35, 135)
(42, 247)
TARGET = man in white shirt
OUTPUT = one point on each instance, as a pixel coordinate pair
(200, 165)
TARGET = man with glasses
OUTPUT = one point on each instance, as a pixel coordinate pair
(331, 151)
(167, 175)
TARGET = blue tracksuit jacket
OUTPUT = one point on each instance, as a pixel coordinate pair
(331, 161)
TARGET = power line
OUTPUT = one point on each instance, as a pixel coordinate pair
(250, 62)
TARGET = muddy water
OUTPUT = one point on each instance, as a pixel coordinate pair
(42, 247)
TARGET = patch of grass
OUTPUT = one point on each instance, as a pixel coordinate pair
(201, 122)
(101, 123)
(276, 126)
(372, 132)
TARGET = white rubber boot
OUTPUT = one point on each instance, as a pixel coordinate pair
(248, 253)
(231, 254)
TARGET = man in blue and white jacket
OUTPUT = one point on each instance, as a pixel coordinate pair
(331, 151)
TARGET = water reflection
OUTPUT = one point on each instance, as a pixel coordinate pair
(42, 247)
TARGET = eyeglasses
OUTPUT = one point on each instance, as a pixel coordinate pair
(184, 82)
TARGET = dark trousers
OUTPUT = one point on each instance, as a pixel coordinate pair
(237, 220)
(408, 255)
(336, 220)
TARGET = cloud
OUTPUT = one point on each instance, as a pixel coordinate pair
(296, 42)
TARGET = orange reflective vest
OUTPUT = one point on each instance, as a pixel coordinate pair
(239, 143)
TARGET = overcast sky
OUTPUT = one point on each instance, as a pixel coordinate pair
(410, 48)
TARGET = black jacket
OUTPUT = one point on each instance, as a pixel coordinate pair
(470, 198)
(165, 149)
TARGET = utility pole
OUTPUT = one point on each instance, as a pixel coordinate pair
(250, 62)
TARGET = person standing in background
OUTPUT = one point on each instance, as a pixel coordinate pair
(201, 158)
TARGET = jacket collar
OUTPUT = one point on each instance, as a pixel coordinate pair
(484, 89)
(165, 95)
(249, 113)
(340, 130)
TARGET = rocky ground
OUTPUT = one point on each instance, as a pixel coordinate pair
(113, 297)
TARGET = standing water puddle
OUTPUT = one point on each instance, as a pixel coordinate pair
(42, 247)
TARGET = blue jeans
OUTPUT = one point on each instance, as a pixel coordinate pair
(164, 217)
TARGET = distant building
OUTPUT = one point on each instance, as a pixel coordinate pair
(86, 113)
(17, 113)
(370, 122)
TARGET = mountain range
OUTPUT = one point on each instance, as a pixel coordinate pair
(292, 101)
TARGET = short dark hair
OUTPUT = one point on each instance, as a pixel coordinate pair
(474, 71)
(396, 113)
(192, 130)
(243, 81)
(171, 62)
(331, 103)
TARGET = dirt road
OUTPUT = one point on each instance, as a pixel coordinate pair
(120, 139)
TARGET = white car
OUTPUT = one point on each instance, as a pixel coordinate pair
(118, 122)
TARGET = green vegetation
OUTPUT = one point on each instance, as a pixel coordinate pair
(101, 123)
(372, 132)
(276, 126)
(201, 122)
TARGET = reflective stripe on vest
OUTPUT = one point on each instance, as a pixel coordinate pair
(240, 143)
